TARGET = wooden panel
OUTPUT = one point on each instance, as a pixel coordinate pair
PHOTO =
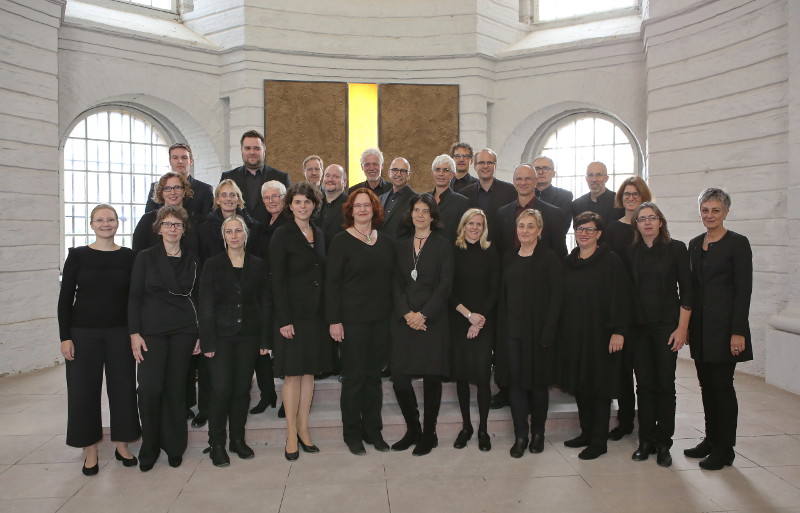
(417, 122)
(302, 119)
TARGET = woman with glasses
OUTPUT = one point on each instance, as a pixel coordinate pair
(172, 190)
(162, 321)
(662, 291)
(93, 324)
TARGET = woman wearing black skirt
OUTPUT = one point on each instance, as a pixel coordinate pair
(475, 285)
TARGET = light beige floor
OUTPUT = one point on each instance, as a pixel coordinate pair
(38, 473)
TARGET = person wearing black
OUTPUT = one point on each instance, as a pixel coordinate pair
(721, 262)
(198, 205)
(173, 190)
(228, 201)
(599, 199)
(423, 280)
(530, 302)
(235, 325)
(476, 281)
(595, 317)
(452, 205)
(620, 234)
(301, 348)
(334, 181)
(545, 172)
(93, 326)
(461, 153)
(395, 201)
(162, 322)
(662, 286)
(488, 193)
(361, 258)
(372, 166)
(254, 173)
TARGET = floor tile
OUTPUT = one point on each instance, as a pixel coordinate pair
(442, 464)
(49, 505)
(463, 495)
(325, 468)
(45, 381)
(681, 462)
(740, 488)
(770, 451)
(267, 470)
(42, 480)
(785, 421)
(353, 498)
(498, 463)
(153, 502)
(547, 494)
(790, 474)
(15, 447)
(219, 499)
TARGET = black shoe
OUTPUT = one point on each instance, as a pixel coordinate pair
(307, 448)
(241, 449)
(357, 448)
(380, 445)
(499, 400)
(126, 462)
(410, 438)
(219, 456)
(90, 471)
(463, 437)
(644, 451)
(700, 450)
(282, 412)
(518, 449)
(262, 406)
(291, 456)
(175, 461)
(618, 432)
(484, 441)
(426, 444)
(592, 452)
(199, 420)
(145, 467)
(578, 441)
(189, 414)
(663, 457)
(718, 459)
(537, 443)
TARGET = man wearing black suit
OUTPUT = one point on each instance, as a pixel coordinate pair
(253, 174)
(462, 155)
(395, 202)
(489, 194)
(330, 214)
(372, 165)
(452, 205)
(599, 199)
(547, 192)
(181, 162)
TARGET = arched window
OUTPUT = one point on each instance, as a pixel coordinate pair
(111, 156)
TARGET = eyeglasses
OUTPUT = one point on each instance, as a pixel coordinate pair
(167, 225)
(586, 229)
(595, 175)
(168, 188)
(397, 170)
(543, 169)
(462, 156)
(226, 195)
(644, 219)
(101, 220)
(633, 195)
(274, 197)
(442, 170)
(486, 162)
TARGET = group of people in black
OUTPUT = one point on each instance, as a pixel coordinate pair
(267, 276)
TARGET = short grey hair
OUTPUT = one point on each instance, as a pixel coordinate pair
(714, 193)
(372, 151)
(274, 184)
(444, 159)
(544, 157)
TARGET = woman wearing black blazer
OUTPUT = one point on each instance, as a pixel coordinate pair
(162, 322)
(719, 331)
(172, 190)
(234, 327)
(302, 345)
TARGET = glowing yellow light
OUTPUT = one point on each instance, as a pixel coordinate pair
(362, 126)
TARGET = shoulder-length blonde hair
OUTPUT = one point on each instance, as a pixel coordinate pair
(233, 186)
(461, 237)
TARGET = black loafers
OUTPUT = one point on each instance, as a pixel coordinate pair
(219, 456)
(199, 420)
(126, 462)
(643, 452)
(241, 449)
(484, 441)
(463, 437)
(518, 449)
(537, 443)
(357, 448)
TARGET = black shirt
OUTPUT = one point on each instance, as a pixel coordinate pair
(603, 206)
(459, 183)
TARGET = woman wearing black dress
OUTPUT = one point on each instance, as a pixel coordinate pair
(234, 327)
(92, 321)
(472, 308)
(302, 346)
(530, 302)
(662, 286)
(162, 322)
(420, 326)
(719, 330)
(361, 259)
(595, 317)
(171, 190)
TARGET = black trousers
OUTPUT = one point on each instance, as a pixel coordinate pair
(265, 378)
(198, 375)
(535, 401)
(162, 395)
(627, 398)
(96, 350)
(654, 364)
(364, 351)
(594, 413)
(719, 402)
(231, 371)
(407, 399)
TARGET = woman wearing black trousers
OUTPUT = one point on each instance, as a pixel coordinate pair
(92, 321)
(662, 286)
(234, 326)
(162, 322)
(423, 279)
(472, 321)
(719, 331)
(361, 259)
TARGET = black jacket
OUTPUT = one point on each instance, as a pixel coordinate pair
(504, 231)
(562, 199)
(500, 193)
(452, 206)
(394, 222)
(201, 203)
(209, 234)
(258, 211)
(331, 217)
(382, 187)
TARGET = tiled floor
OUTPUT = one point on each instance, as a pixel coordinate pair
(38, 473)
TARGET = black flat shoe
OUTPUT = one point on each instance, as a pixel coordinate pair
(663, 457)
(282, 412)
(90, 471)
(518, 449)
(380, 445)
(463, 437)
(718, 459)
(537, 443)
(174, 461)
(219, 456)
(199, 420)
(126, 462)
(357, 448)
(427, 442)
(643, 452)
(700, 450)
(307, 448)
(592, 452)
(262, 406)
(618, 432)
(145, 467)
(410, 438)
(484, 441)
(499, 400)
(578, 441)
(241, 449)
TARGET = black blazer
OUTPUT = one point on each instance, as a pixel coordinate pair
(504, 231)
(452, 206)
(233, 307)
(258, 211)
(394, 222)
(209, 234)
(722, 283)
(200, 203)
(296, 269)
(500, 193)
(562, 199)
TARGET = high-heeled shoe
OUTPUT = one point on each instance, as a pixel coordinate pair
(307, 448)
(90, 471)
(291, 456)
(126, 462)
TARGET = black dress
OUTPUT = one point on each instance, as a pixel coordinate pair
(476, 282)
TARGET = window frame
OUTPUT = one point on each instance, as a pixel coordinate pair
(177, 6)
(536, 22)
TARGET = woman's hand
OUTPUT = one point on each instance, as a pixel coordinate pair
(138, 345)
(68, 350)
(477, 319)
(337, 332)
(287, 331)
(737, 345)
(415, 321)
(678, 339)
(210, 354)
(263, 352)
(196, 349)
(616, 343)
(472, 332)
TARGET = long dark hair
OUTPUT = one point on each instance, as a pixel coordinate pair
(426, 198)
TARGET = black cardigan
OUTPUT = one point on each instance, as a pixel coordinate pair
(669, 265)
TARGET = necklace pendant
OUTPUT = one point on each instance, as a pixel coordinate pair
(368, 237)
(414, 274)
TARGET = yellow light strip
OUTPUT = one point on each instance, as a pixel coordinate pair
(362, 126)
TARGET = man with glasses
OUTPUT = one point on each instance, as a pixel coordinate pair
(556, 196)
(461, 153)
(599, 199)
(395, 202)
(488, 193)
(452, 205)
(181, 162)
(330, 214)
(372, 165)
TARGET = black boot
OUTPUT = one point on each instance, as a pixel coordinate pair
(719, 457)
(407, 401)
(700, 450)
